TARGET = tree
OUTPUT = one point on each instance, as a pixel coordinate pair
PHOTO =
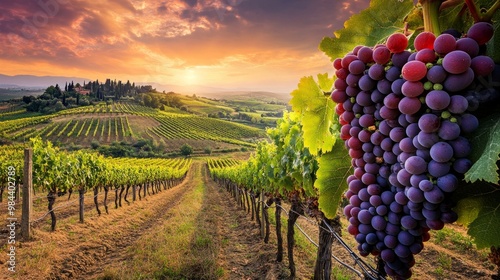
(186, 150)
(208, 150)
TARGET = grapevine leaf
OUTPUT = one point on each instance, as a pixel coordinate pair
(334, 168)
(485, 151)
(317, 111)
(368, 27)
(468, 209)
(484, 229)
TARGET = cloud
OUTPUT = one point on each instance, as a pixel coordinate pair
(162, 38)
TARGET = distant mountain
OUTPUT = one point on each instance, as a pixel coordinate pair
(42, 82)
(30, 81)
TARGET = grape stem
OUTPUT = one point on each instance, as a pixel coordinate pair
(491, 12)
(473, 10)
(430, 10)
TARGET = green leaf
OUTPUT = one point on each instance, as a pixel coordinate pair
(468, 210)
(485, 151)
(484, 229)
(368, 28)
(318, 113)
(334, 168)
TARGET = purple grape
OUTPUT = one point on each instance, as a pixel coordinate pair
(397, 134)
(412, 89)
(357, 67)
(458, 104)
(437, 100)
(456, 62)
(444, 44)
(425, 186)
(436, 74)
(427, 139)
(393, 73)
(376, 72)
(391, 101)
(468, 45)
(458, 82)
(409, 105)
(434, 196)
(429, 123)
(447, 183)
(441, 152)
(461, 147)
(449, 130)
(378, 223)
(468, 123)
(397, 86)
(482, 65)
(481, 32)
(415, 195)
(438, 169)
(415, 165)
(462, 165)
(405, 238)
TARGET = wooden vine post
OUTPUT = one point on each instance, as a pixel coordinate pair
(27, 194)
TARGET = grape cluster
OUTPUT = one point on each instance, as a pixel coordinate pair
(404, 117)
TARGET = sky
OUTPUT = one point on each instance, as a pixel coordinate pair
(263, 45)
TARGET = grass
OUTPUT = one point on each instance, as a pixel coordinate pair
(452, 239)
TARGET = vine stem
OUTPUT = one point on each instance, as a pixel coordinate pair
(491, 11)
(430, 10)
(473, 10)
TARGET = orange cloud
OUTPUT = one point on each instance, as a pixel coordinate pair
(231, 43)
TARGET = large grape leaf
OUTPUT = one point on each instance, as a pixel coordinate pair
(334, 168)
(370, 27)
(485, 151)
(317, 111)
(478, 208)
(485, 228)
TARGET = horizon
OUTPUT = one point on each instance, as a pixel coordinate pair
(227, 45)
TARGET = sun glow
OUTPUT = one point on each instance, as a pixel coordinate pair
(190, 77)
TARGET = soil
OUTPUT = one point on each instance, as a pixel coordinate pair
(85, 251)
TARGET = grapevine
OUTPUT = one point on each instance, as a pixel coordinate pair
(406, 116)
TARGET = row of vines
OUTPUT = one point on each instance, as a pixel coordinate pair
(57, 172)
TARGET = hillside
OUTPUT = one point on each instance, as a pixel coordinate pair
(125, 125)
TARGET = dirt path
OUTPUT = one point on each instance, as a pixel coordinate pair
(242, 253)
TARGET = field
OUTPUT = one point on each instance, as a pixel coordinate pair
(127, 122)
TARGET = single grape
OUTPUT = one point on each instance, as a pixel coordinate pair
(482, 65)
(441, 152)
(468, 45)
(481, 32)
(414, 70)
(444, 44)
(437, 99)
(424, 40)
(381, 55)
(426, 56)
(456, 62)
(397, 42)
(436, 74)
(455, 83)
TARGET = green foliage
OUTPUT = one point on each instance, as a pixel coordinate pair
(368, 28)
(186, 150)
(485, 151)
(317, 111)
(334, 168)
(478, 208)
